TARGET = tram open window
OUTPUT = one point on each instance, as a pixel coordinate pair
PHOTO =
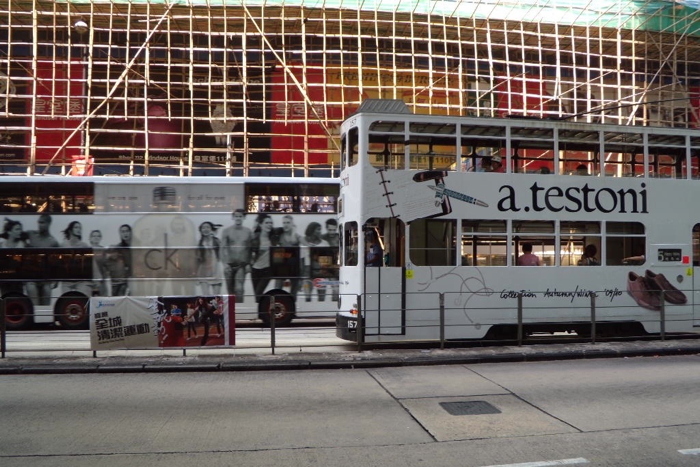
(625, 243)
(574, 237)
(533, 161)
(695, 157)
(344, 153)
(353, 147)
(484, 242)
(696, 245)
(666, 166)
(432, 242)
(624, 154)
(350, 243)
(578, 147)
(540, 235)
(532, 149)
(432, 146)
(386, 148)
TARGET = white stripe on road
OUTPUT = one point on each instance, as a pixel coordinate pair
(578, 460)
(690, 452)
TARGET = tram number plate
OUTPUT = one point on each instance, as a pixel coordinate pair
(352, 324)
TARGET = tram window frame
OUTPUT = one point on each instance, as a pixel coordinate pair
(432, 242)
(578, 234)
(432, 147)
(696, 244)
(387, 144)
(353, 149)
(540, 234)
(479, 236)
(350, 244)
(625, 243)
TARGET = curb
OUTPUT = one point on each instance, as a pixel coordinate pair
(366, 361)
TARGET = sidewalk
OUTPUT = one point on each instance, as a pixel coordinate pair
(289, 359)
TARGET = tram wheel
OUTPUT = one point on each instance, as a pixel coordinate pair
(73, 312)
(283, 308)
(18, 312)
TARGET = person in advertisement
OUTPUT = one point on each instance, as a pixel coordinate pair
(40, 292)
(209, 269)
(235, 254)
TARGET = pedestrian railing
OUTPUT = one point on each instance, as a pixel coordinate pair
(517, 317)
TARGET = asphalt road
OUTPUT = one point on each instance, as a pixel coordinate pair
(641, 412)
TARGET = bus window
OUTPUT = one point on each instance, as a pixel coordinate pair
(350, 239)
(432, 242)
(75, 198)
(625, 243)
(484, 243)
(574, 237)
(540, 235)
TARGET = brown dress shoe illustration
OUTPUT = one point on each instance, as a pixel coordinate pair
(639, 289)
(671, 294)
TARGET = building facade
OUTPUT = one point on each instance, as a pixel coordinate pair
(217, 87)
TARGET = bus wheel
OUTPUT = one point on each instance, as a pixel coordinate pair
(73, 313)
(282, 308)
(18, 312)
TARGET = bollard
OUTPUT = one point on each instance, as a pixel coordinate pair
(593, 318)
(3, 329)
(271, 310)
(442, 319)
(520, 319)
(360, 324)
(662, 317)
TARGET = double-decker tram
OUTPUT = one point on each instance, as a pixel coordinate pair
(479, 219)
(272, 242)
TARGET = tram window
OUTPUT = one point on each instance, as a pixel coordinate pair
(343, 152)
(696, 245)
(484, 243)
(350, 240)
(625, 243)
(663, 166)
(432, 242)
(435, 148)
(539, 234)
(574, 237)
(353, 147)
(387, 144)
(386, 156)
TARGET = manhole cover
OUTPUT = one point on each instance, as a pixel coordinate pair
(469, 408)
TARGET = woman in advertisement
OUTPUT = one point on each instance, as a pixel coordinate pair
(264, 237)
(209, 270)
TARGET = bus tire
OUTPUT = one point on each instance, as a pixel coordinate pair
(72, 312)
(284, 307)
(18, 312)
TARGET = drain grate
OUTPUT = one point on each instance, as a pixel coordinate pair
(469, 408)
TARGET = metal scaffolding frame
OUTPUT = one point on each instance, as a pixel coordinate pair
(145, 87)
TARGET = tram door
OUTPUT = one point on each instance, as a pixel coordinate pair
(385, 286)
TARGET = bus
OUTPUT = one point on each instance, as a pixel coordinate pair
(271, 242)
(452, 202)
